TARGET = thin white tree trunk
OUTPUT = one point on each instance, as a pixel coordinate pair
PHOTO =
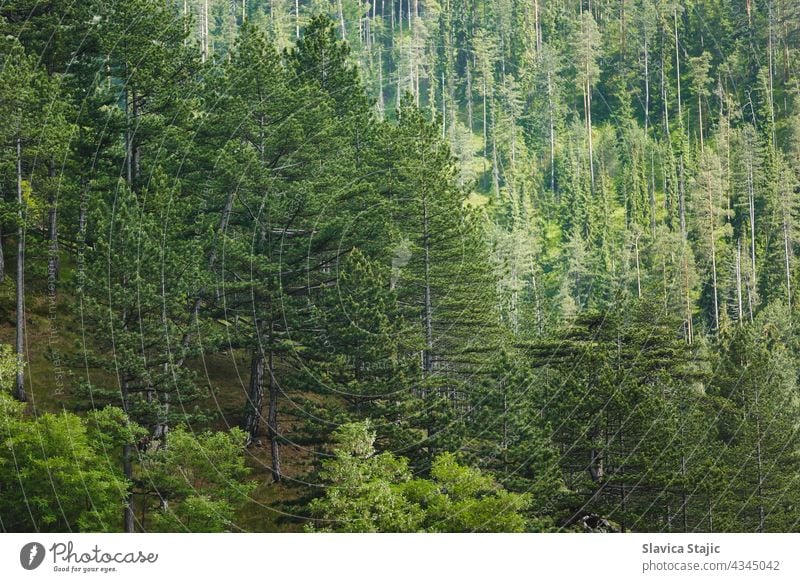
(552, 134)
(713, 258)
(787, 251)
(428, 300)
(341, 19)
(19, 389)
(739, 280)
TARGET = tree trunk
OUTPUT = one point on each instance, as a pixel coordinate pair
(710, 515)
(204, 32)
(700, 120)
(678, 69)
(2, 256)
(664, 91)
(713, 259)
(771, 100)
(53, 263)
(272, 421)
(638, 270)
(381, 103)
(255, 396)
(485, 138)
(787, 250)
(689, 324)
(739, 280)
(444, 109)
(427, 359)
(589, 130)
(751, 202)
(652, 189)
(341, 19)
(681, 196)
(469, 98)
(19, 390)
(646, 85)
(127, 468)
(552, 135)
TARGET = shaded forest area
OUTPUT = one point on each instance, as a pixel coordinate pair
(474, 265)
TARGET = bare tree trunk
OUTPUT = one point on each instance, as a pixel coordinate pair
(53, 263)
(552, 134)
(678, 68)
(681, 196)
(638, 271)
(713, 258)
(589, 129)
(664, 91)
(272, 420)
(2, 256)
(398, 88)
(700, 120)
(652, 188)
(204, 31)
(469, 97)
(495, 168)
(739, 280)
(751, 203)
(485, 138)
(418, 50)
(136, 151)
(341, 19)
(255, 396)
(444, 109)
(646, 84)
(127, 463)
(681, 169)
(128, 137)
(127, 469)
(770, 17)
(19, 389)
(689, 323)
(710, 515)
(381, 104)
(787, 251)
(297, 18)
(427, 358)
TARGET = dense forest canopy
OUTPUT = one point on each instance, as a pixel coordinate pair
(410, 265)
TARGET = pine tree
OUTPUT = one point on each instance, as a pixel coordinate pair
(446, 285)
(133, 294)
(757, 378)
(35, 131)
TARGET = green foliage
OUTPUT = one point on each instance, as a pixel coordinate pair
(369, 492)
(55, 475)
(9, 366)
(758, 381)
(199, 481)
